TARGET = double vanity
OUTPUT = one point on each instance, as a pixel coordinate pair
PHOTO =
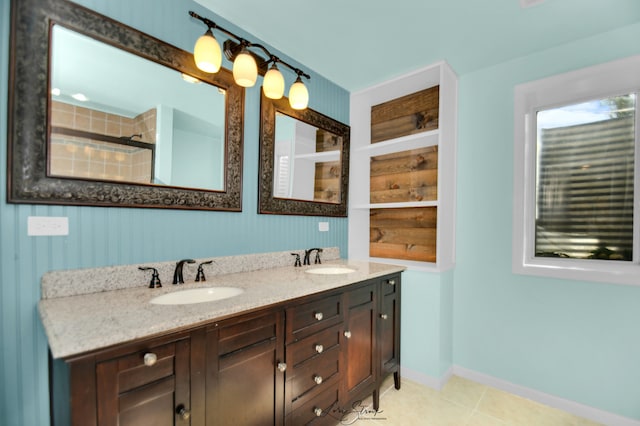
(272, 343)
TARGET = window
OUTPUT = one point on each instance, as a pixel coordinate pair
(576, 214)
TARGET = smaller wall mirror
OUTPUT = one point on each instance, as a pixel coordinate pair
(304, 161)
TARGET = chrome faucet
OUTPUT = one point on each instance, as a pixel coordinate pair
(307, 253)
(177, 274)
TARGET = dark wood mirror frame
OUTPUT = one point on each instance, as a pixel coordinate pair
(28, 128)
(267, 203)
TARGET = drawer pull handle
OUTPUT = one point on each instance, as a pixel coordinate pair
(384, 316)
(319, 348)
(150, 359)
(391, 282)
(282, 366)
(317, 379)
(317, 411)
(347, 334)
(319, 316)
(183, 412)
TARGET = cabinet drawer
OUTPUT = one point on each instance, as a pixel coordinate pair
(321, 410)
(313, 345)
(313, 373)
(308, 318)
(246, 332)
(390, 285)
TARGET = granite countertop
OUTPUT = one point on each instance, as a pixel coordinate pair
(81, 323)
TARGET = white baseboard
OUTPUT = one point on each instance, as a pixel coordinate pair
(424, 379)
(569, 406)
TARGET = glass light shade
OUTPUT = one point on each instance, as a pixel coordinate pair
(298, 95)
(207, 54)
(273, 84)
(245, 70)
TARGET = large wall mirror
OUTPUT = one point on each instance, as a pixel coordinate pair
(102, 114)
(304, 161)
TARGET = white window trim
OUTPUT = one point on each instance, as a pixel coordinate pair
(600, 81)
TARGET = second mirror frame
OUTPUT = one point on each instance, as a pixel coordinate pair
(267, 203)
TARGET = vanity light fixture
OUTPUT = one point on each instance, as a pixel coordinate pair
(245, 69)
(207, 53)
(247, 64)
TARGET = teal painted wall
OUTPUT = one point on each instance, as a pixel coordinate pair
(112, 236)
(426, 320)
(575, 340)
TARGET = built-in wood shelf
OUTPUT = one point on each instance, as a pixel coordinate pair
(403, 142)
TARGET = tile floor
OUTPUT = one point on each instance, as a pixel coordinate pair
(461, 402)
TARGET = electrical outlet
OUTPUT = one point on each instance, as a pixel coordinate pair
(47, 226)
(323, 226)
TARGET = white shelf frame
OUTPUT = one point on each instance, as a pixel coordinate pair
(445, 137)
(320, 157)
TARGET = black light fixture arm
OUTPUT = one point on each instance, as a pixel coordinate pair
(231, 48)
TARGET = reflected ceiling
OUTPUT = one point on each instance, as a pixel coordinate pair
(358, 43)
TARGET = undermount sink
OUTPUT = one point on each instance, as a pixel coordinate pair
(330, 270)
(196, 295)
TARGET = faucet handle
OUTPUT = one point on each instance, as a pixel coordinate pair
(317, 260)
(155, 277)
(200, 274)
(297, 261)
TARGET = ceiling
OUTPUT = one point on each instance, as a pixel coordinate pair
(358, 43)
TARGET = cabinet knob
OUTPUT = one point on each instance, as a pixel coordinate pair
(317, 411)
(319, 316)
(183, 412)
(317, 379)
(347, 334)
(282, 366)
(319, 348)
(384, 316)
(150, 359)
(391, 282)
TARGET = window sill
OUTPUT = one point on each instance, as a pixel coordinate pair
(603, 271)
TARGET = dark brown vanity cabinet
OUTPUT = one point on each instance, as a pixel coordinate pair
(388, 332)
(300, 362)
(372, 338)
(314, 358)
(245, 370)
(143, 383)
(360, 341)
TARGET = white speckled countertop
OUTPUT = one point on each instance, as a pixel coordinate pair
(80, 323)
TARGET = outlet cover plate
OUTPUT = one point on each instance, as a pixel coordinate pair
(38, 226)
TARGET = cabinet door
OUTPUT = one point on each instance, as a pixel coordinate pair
(150, 386)
(244, 384)
(360, 332)
(389, 323)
